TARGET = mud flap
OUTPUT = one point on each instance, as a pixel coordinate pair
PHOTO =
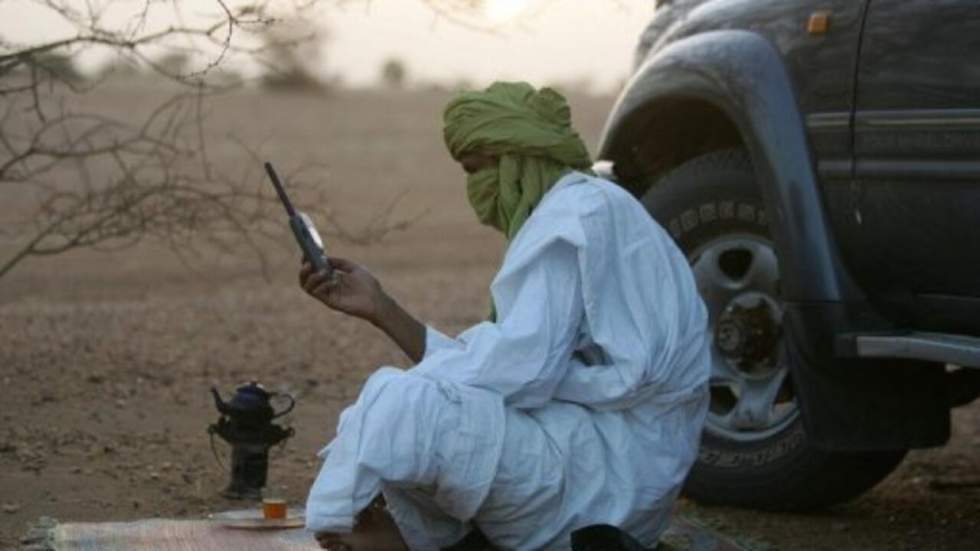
(858, 404)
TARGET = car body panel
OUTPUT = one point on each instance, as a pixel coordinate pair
(907, 219)
(792, 98)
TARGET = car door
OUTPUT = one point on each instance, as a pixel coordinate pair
(911, 226)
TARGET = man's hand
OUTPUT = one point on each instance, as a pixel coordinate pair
(351, 289)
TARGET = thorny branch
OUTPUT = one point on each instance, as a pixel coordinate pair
(159, 186)
(81, 179)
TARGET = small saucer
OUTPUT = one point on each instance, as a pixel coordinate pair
(252, 519)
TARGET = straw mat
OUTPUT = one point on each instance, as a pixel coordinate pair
(684, 534)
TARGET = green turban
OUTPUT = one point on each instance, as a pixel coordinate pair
(531, 133)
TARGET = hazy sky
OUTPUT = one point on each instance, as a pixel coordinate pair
(562, 39)
(539, 40)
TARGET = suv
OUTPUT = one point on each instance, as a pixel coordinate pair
(818, 161)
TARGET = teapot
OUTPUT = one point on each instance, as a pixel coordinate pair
(246, 424)
(251, 405)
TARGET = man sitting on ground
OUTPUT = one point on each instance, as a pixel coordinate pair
(580, 402)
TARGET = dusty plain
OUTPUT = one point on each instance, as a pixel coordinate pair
(106, 358)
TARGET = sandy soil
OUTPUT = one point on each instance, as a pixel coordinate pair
(106, 359)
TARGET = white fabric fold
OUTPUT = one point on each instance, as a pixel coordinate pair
(524, 355)
(436, 341)
(405, 430)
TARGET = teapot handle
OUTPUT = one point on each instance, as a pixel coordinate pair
(289, 408)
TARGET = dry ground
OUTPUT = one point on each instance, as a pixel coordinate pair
(106, 359)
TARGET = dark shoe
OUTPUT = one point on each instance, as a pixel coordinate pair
(474, 541)
(603, 537)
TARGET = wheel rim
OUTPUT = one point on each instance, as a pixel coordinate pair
(738, 278)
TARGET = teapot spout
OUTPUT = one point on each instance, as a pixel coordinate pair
(218, 402)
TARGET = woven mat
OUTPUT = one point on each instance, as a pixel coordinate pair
(161, 535)
(688, 534)
(684, 534)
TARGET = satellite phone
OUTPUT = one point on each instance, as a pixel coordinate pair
(306, 234)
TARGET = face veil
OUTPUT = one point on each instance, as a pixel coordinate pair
(529, 131)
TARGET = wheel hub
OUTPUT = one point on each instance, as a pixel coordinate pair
(748, 330)
(738, 278)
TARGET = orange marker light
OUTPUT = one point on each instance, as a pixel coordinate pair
(818, 24)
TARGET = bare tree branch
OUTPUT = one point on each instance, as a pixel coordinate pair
(90, 180)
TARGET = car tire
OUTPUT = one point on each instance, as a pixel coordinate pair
(746, 458)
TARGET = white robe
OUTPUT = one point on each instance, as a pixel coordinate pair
(582, 404)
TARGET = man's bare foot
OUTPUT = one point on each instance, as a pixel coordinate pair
(332, 542)
(374, 531)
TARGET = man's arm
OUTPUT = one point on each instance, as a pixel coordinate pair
(407, 332)
(354, 291)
